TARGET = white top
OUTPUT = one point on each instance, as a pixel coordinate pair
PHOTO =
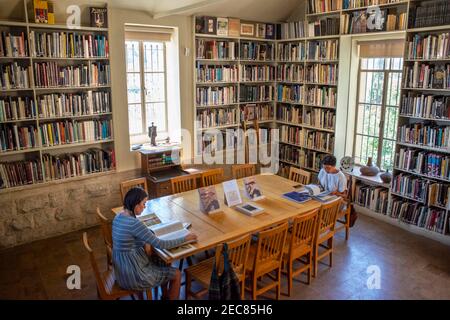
(333, 181)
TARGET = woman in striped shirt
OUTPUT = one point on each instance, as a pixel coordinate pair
(134, 265)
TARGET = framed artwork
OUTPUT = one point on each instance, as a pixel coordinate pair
(247, 29)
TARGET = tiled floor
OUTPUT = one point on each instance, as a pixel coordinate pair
(411, 267)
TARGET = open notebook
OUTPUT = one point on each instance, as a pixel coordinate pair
(171, 231)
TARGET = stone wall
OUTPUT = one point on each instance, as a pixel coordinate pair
(49, 210)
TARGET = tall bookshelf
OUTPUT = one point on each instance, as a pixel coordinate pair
(421, 182)
(64, 124)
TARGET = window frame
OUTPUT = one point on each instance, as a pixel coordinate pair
(162, 134)
(384, 106)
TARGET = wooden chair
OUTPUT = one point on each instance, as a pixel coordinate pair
(300, 243)
(211, 177)
(299, 175)
(107, 287)
(325, 232)
(243, 170)
(125, 186)
(265, 258)
(107, 236)
(201, 272)
(184, 183)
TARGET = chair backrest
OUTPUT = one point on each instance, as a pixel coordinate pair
(105, 281)
(269, 249)
(107, 234)
(237, 253)
(212, 177)
(184, 183)
(243, 170)
(127, 185)
(304, 229)
(328, 215)
(299, 175)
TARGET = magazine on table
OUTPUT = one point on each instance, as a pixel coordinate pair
(208, 200)
(252, 190)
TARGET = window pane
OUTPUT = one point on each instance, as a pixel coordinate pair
(155, 112)
(375, 88)
(132, 55)
(390, 123)
(387, 154)
(366, 147)
(393, 94)
(134, 88)
(135, 118)
(154, 56)
(154, 85)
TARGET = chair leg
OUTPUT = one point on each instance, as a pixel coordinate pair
(347, 226)
(289, 271)
(330, 246)
(254, 283)
(180, 266)
(316, 263)
(309, 266)
(278, 288)
(189, 261)
(187, 286)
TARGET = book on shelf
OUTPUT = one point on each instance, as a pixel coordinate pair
(234, 27)
(291, 30)
(261, 30)
(354, 4)
(211, 25)
(322, 73)
(322, 50)
(15, 76)
(372, 197)
(222, 27)
(309, 160)
(426, 135)
(19, 173)
(256, 93)
(257, 51)
(232, 196)
(98, 17)
(430, 46)
(438, 195)
(323, 27)
(427, 163)
(290, 73)
(208, 200)
(17, 108)
(216, 49)
(217, 73)
(13, 44)
(425, 106)
(209, 118)
(39, 11)
(270, 31)
(18, 137)
(307, 138)
(427, 76)
(290, 93)
(429, 13)
(291, 51)
(323, 6)
(411, 186)
(256, 73)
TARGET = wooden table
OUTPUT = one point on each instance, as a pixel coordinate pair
(228, 224)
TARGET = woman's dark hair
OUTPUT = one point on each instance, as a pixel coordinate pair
(329, 160)
(133, 197)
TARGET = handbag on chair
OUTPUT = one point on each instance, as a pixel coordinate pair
(226, 286)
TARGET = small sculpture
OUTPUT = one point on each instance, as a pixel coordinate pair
(152, 134)
(369, 169)
(386, 177)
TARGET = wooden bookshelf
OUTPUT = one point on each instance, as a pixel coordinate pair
(34, 157)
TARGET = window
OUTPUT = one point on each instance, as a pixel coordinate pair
(378, 102)
(146, 85)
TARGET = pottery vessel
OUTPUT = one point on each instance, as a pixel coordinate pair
(369, 169)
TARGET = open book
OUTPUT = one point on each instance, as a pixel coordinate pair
(150, 219)
(171, 231)
(316, 193)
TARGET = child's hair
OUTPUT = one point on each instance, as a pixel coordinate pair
(133, 197)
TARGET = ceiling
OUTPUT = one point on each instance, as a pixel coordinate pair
(262, 10)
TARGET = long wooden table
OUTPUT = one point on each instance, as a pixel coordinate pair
(228, 224)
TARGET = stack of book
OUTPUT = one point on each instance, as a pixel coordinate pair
(216, 95)
(13, 44)
(67, 132)
(294, 51)
(290, 93)
(213, 73)
(14, 137)
(426, 106)
(68, 45)
(431, 136)
(431, 46)
(256, 93)
(19, 173)
(290, 72)
(17, 108)
(15, 76)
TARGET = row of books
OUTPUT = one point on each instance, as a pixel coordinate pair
(322, 50)
(257, 51)
(17, 108)
(206, 96)
(425, 106)
(290, 72)
(419, 215)
(261, 112)
(411, 186)
(15, 76)
(68, 132)
(322, 73)
(14, 137)
(322, 6)
(352, 4)
(293, 51)
(371, 197)
(319, 118)
(233, 27)
(291, 30)
(323, 27)
(431, 46)
(324, 97)
(256, 73)
(256, 93)
(215, 49)
(427, 76)
(216, 73)
(438, 195)
(431, 136)
(363, 21)
(291, 114)
(303, 158)
(20, 173)
(307, 138)
(426, 163)
(68, 45)
(290, 93)
(73, 104)
(13, 44)
(50, 74)
(427, 14)
(64, 166)
(217, 117)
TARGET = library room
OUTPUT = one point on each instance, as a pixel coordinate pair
(225, 150)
